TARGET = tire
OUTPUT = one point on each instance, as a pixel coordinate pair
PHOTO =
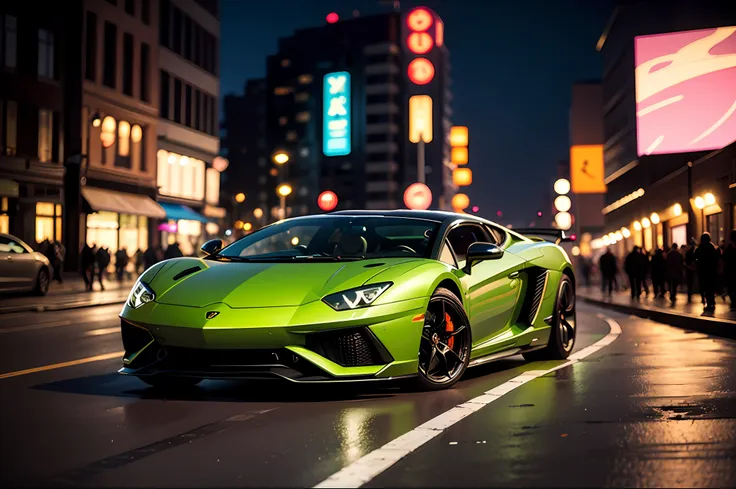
(165, 382)
(563, 329)
(450, 341)
(42, 282)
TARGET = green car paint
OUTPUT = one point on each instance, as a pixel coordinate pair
(207, 305)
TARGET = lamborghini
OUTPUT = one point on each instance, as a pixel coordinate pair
(353, 296)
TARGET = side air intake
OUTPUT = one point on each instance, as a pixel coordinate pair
(536, 280)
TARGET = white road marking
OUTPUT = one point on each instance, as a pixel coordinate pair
(103, 331)
(378, 461)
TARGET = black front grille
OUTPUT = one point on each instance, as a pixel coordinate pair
(134, 338)
(355, 347)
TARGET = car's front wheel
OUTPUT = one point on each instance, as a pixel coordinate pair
(165, 382)
(563, 328)
(444, 349)
(42, 282)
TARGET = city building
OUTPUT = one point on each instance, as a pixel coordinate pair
(31, 119)
(243, 142)
(338, 115)
(668, 138)
(187, 167)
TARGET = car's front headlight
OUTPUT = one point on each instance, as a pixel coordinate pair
(356, 298)
(141, 294)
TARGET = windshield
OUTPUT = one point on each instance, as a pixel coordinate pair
(336, 238)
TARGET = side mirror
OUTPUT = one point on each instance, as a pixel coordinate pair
(480, 252)
(211, 247)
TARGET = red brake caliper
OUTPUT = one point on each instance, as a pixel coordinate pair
(449, 327)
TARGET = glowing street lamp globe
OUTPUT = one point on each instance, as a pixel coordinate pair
(283, 190)
(562, 186)
(280, 158)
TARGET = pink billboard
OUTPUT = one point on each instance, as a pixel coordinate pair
(685, 91)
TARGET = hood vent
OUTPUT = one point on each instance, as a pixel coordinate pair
(186, 272)
(371, 265)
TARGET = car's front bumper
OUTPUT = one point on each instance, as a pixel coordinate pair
(308, 343)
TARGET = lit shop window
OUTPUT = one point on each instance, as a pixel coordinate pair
(180, 176)
(285, 63)
(48, 221)
(302, 117)
(45, 132)
(213, 186)
(124, 138)
(4, 218)
(283, 90)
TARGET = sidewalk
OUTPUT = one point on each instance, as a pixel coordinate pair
(70, 294)
(722, 322)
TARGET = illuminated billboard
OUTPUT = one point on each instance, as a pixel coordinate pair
(586, 169)
(336, 125)
(685, 91)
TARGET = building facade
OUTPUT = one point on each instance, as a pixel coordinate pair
(337, 105)
(187, 168)
(669, 162)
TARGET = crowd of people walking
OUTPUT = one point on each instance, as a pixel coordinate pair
(712, 266)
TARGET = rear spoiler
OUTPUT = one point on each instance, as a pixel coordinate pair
(540, 233)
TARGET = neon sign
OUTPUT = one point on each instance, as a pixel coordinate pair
(419, 20)
(419, 42)
(336, 138)
(421, 71)
(420, 118)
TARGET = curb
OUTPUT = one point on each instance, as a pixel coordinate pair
(723, 328)
(59, 307)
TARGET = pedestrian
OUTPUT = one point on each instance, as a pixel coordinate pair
(721, 284)
(632, 266)
(729, 267)
(121, 261)
(87, 263)
(59, 254)
(659, 272)
(173, 251)
(586, 266)
(706, 262)
(102, 257)
(690, 270)
(138, 261)
(644, 268)
(675, 264)
(609, 268)
(149, 258)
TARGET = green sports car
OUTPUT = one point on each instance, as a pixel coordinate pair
(352, 296)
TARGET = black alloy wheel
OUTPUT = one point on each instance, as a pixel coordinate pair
(444, 349)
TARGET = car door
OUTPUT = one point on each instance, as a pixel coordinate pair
(11, 267)
(491, 289)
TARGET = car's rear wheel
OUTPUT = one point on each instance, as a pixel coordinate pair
(42, 282)
(563, 326)
(444, 349)
(166, 382)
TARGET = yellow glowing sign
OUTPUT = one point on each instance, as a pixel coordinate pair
(458, 136)
(462, 177)
(420, 118)
(586, 169)
(459, 156)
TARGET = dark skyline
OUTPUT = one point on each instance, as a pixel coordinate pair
(512, 71)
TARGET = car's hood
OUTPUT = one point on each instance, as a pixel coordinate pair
(260, 284)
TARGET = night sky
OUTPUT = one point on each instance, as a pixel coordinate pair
(513, 64)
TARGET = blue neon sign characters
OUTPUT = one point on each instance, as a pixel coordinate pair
(336, 117)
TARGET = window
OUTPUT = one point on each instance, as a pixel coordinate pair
(124, 138)
(196, 55)
(128, 64)
(146, 11)
(11, 41)
(130, 7)
(213, 186)
(206, 110)
(180, 176)
(302, 117)
(188, 38)
(177, 100)
(215, 119)
(90, 55)
(110, 68)
(176, 45)
(45, 53)
(462, 237)
(291, 136)
(282, 90)
(283, 120)
(8, 245)
(4, 219)
(165, 95)
(301, 97)
(145, 78)
(45, 132)
(48, 221)
(188, 106)
(305, 79)
(164, 23)
(285, 63)
(446, 255)
(11, 127)
(197, 110)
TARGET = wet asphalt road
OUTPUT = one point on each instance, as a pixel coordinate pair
(657, 407)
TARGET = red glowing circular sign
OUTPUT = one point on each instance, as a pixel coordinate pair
(419, 20)
(418, 197)
(327, 200)
(421, 71)
(332, 17)
(420, 42)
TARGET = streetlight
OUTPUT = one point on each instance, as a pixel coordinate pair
(239, 198)
(257, 212)
(247, 226)
(280, 157)
(283, 191)
(710, 199)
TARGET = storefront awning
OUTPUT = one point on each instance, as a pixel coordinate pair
(178, 212)
(123, 203)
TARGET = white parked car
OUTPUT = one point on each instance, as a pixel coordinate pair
(21, 268)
